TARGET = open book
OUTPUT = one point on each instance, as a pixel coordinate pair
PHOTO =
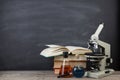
(56, 50)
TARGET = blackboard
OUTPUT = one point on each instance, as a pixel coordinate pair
(26, 26)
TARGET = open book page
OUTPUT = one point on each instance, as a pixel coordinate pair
(56, 50)
(53, 51)
(72, 48)
(80, 51)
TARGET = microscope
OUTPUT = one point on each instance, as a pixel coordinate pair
(99, 59)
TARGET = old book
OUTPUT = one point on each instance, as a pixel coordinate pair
(77, 57)
(73, 60)
(56, 50)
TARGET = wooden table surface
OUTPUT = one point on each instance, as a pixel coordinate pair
(46, 75)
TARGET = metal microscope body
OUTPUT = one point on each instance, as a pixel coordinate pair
(107, 53)
(104, 63)
(101, 52)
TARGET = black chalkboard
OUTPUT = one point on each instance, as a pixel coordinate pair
(27, 25)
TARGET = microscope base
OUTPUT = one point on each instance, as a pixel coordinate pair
(100, 74)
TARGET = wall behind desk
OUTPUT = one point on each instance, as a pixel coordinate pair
(27, 25)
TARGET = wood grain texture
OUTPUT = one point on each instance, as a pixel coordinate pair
(45, 75)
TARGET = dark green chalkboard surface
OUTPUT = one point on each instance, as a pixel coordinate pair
(27, 25)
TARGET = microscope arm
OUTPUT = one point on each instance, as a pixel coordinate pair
(106, 46)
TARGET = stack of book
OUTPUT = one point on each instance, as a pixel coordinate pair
(79, 60)
(76, 59)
